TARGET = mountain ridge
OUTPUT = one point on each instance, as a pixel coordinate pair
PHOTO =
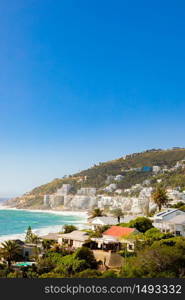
(96, 176)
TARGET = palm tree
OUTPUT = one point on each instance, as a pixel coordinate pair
(160, 197)
(96, 212)
(10, 251)
(35, 239)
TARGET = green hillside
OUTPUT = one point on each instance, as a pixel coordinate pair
(96, 176)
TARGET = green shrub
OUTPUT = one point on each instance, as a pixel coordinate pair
(86, 254)
(109, 274)
(88, 274)
(142, 224)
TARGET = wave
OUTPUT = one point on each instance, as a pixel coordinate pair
(41, 231)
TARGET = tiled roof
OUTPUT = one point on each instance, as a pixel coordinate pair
(51, 236)
(76, 235)
(119, 231)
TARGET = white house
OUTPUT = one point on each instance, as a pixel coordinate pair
(170, 220)
(74, 239)
(156, 169)
(176, 225)
(167, 214)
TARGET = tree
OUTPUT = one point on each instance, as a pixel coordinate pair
(86, 254)
(46, 244)
(51, 275)
(118, 213)
(109, 274)
(142, 224)
(45, 265)
(10, 251)
(69, 228)
(165, 258)
(69, 265)
(155, 234)
(88, 273)
(98, 231)
(160, 197)
(16, 274)
(35, 239)
(29, 235)
(96, 212)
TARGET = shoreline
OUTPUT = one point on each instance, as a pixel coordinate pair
(57, 212)
(41, 231)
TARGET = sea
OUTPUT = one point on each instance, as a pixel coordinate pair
(14, 222)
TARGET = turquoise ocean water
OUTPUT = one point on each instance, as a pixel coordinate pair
(13, 222)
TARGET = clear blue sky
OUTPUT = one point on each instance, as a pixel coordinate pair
(87, 81)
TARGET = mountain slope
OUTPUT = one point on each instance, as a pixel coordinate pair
(97, 175)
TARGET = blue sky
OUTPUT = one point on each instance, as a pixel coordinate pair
(83, 82)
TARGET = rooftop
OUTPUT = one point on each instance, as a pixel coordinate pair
(51, 236)
(119, 231)
(76, 235)
(111, 220)
(165, 212)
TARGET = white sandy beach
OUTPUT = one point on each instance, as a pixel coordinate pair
(57, 212)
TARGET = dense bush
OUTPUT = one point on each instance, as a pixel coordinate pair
(86, 254)
(69, 228)
(165, 258)
(142, 224)
(88, 273)
(109, 274)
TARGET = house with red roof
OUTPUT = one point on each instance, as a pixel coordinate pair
(122, 235)
(118, 231)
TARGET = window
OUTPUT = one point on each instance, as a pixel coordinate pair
(178, 233)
